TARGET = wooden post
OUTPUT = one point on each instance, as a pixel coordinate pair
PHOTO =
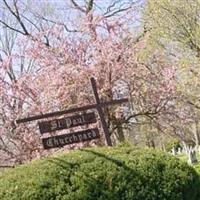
(101, 114)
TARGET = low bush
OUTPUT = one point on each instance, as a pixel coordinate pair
(120, 173)
(197, 167)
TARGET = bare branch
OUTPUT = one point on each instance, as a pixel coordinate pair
(27, 19)
(17, 16)
(193, 104)
(110, 7)
(59, 23)
(19, 19)
(118, 11)
(11, 28)
(126, 121)
(77, 6)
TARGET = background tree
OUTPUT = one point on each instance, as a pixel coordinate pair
(173, 29)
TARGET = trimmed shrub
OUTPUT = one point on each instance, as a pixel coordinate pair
(197, 167)
(120, 173)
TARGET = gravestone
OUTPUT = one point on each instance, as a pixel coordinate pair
(179, 151)
(174, 150)
(192, 158)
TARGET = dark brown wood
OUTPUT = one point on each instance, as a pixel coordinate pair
(71, 138)
(79, 109)
(101, 114)
(7, 166)
(67, 122)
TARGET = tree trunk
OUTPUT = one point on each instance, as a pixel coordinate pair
(196, 134)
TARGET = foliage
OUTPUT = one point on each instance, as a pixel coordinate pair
(175, 21)
(120, 173)
(173, 28)
(197, 168)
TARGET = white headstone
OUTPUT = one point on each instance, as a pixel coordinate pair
(174, 151)
(179, 150)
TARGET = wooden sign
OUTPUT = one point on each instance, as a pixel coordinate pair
(66, 139)
(77, 120)
(67, 122)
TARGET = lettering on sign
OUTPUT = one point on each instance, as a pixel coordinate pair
(67, 122)
(66, 139)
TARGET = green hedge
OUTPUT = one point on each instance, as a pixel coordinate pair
(120, 173)
(197, 167)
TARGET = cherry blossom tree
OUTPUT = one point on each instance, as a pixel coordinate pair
(51, 63)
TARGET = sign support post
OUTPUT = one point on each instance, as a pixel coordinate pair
(101, 114)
